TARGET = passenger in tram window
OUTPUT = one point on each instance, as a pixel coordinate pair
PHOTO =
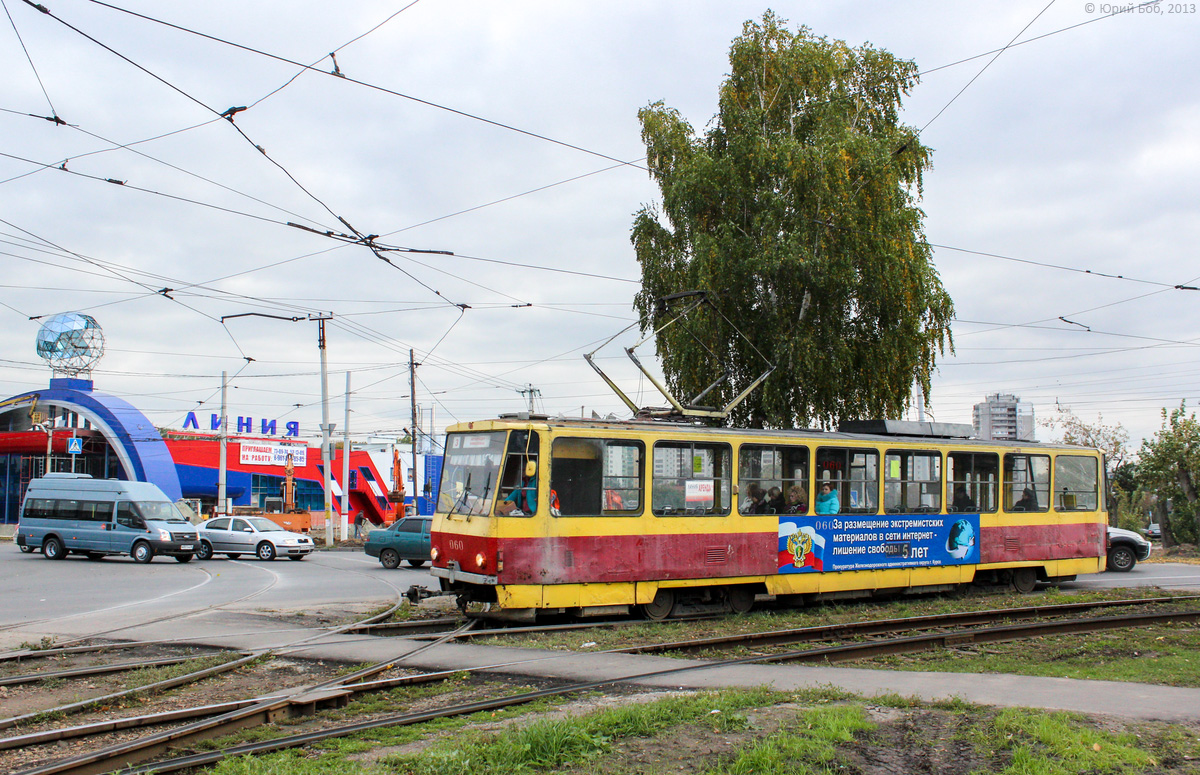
(828, 501)
(1028, 501)
(755, 502)
(522, 500)
(962, 501)
(797, 500)
(775, 501)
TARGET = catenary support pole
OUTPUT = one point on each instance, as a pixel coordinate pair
(326, 432)
(412, 394)
(223, 436)
(346, 466)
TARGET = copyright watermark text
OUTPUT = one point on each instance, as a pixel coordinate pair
(1156, 8)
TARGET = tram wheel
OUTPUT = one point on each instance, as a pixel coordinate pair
(741, 599)
(1024, 579)
(660, 607)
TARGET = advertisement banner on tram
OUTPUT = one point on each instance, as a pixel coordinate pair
(875, 542)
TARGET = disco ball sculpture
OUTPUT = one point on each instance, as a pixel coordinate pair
(72, 343)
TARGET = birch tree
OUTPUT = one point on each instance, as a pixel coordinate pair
(798, 209)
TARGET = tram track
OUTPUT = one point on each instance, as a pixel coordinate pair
(972, 627)
(240, 713)
(846, 630)
(300, 701)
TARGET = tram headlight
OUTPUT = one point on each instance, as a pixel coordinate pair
(433, 552)
(480, 560)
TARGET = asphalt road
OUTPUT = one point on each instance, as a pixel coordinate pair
(1165, 575)
(77, 597)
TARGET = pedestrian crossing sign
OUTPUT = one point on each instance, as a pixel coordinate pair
(74, 445)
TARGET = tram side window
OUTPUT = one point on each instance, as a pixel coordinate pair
(596, 477)
(912, 481)
(1026, 482)
(522, 449)
(972, 482)
(767, 467)
(1076, 483)
(691, 478)
(854, 476)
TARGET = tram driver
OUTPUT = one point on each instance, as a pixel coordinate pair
(522, 500)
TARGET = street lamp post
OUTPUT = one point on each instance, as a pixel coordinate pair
(326, 427)
(326, 430)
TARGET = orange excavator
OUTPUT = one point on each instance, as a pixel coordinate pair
(396, 496)
(289, 486)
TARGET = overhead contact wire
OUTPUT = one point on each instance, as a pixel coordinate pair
(365, 84)
(53, 112)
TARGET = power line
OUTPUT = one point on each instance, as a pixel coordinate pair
(375, 87)
(1006, 47)
(228, 114)
(32, 66)
(62, 167)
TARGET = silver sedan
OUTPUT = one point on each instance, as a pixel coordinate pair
(259, 536)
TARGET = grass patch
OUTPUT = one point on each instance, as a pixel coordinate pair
(812, 748)
(571, 742)
(738, 732)
(292, 763)
(144, 676)
(1165, 655)
(1035, 742)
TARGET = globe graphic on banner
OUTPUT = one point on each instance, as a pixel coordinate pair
(71, 342)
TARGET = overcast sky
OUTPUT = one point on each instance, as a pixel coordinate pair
(494, 130)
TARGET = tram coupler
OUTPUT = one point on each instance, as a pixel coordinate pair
(417, 592)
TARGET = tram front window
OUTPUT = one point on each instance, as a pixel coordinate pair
(471, 472)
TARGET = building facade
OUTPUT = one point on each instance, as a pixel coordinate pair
(1002, 417)
(70, 427)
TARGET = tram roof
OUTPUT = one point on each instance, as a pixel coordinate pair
(880, 431)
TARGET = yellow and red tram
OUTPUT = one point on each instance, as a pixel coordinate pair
(593, 517)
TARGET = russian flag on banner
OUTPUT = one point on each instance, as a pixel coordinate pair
(801, 549)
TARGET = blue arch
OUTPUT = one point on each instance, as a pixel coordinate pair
(123, 426)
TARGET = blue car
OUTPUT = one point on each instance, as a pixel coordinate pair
(406, 540)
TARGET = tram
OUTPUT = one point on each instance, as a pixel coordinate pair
(594, 517)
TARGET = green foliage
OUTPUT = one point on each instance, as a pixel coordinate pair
(45, 643)
(292, 762)
(798, 207)
(1169, 464)
(811, 748)
(1147, 655)
(1041, 743)
(571, 741)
